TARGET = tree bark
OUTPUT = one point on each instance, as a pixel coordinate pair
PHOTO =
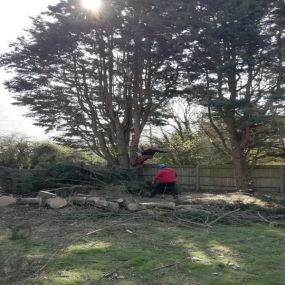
(241, 170)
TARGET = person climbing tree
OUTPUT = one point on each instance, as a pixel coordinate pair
(146, 154)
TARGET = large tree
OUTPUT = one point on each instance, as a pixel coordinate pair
(235, 65)
(97, 78)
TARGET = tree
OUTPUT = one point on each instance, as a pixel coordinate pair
(15, 152)
(186, 139)
(231, 65)
(96, 79)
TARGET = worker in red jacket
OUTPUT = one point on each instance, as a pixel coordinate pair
(165, 181)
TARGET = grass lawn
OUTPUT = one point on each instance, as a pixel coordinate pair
(139, 251)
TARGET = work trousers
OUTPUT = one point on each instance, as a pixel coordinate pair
(164, 188)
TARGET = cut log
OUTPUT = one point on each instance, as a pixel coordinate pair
(120, 201)
(161, 205)
(114, 207)
(78, 201)
(92, 200)
(7, 201)
(101, 204)
(56, 203)
(30, 201)
(46, 195)
(133, 207)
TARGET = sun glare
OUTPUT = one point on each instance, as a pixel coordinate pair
(93, 5)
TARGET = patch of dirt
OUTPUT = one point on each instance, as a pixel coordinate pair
(229, 198)
(261, 200)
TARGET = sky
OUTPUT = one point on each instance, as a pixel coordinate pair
(14, 18)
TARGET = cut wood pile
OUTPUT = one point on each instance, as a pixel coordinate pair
(185, 213)
(51, 200)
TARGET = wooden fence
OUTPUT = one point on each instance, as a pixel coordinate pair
(267, 178)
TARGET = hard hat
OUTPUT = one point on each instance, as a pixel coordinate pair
(161, 165)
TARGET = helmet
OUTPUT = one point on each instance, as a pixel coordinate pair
(161, 165)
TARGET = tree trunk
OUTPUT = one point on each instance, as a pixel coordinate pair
(123, 155)
(241, 171)
(134, 146)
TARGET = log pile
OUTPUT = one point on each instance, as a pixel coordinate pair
(52, 201)
(182, 214)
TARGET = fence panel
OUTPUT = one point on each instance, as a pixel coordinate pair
(265, 178)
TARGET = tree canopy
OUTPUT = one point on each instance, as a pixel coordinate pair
(235, 67)
(96, 78)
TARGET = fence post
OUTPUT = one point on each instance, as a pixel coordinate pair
(282, 174)
(197, 187)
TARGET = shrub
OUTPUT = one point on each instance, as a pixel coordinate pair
(15, 152)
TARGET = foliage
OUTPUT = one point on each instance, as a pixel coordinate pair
(15, 152)
(51, 166)
(28, 167)
(187, 140)
(128, 178)
(48, 154)
(97, 80)
(234, 71)
(189, 148)
(22, 153)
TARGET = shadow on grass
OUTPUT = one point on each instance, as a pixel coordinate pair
(145, 252)
(167, 255)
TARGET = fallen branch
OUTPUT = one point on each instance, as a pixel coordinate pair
(263, 219)
(112, 225)
(222, 216)
(192, 223)
(70, 188)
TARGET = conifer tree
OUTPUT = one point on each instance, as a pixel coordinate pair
(234, 65)
(96, 78)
